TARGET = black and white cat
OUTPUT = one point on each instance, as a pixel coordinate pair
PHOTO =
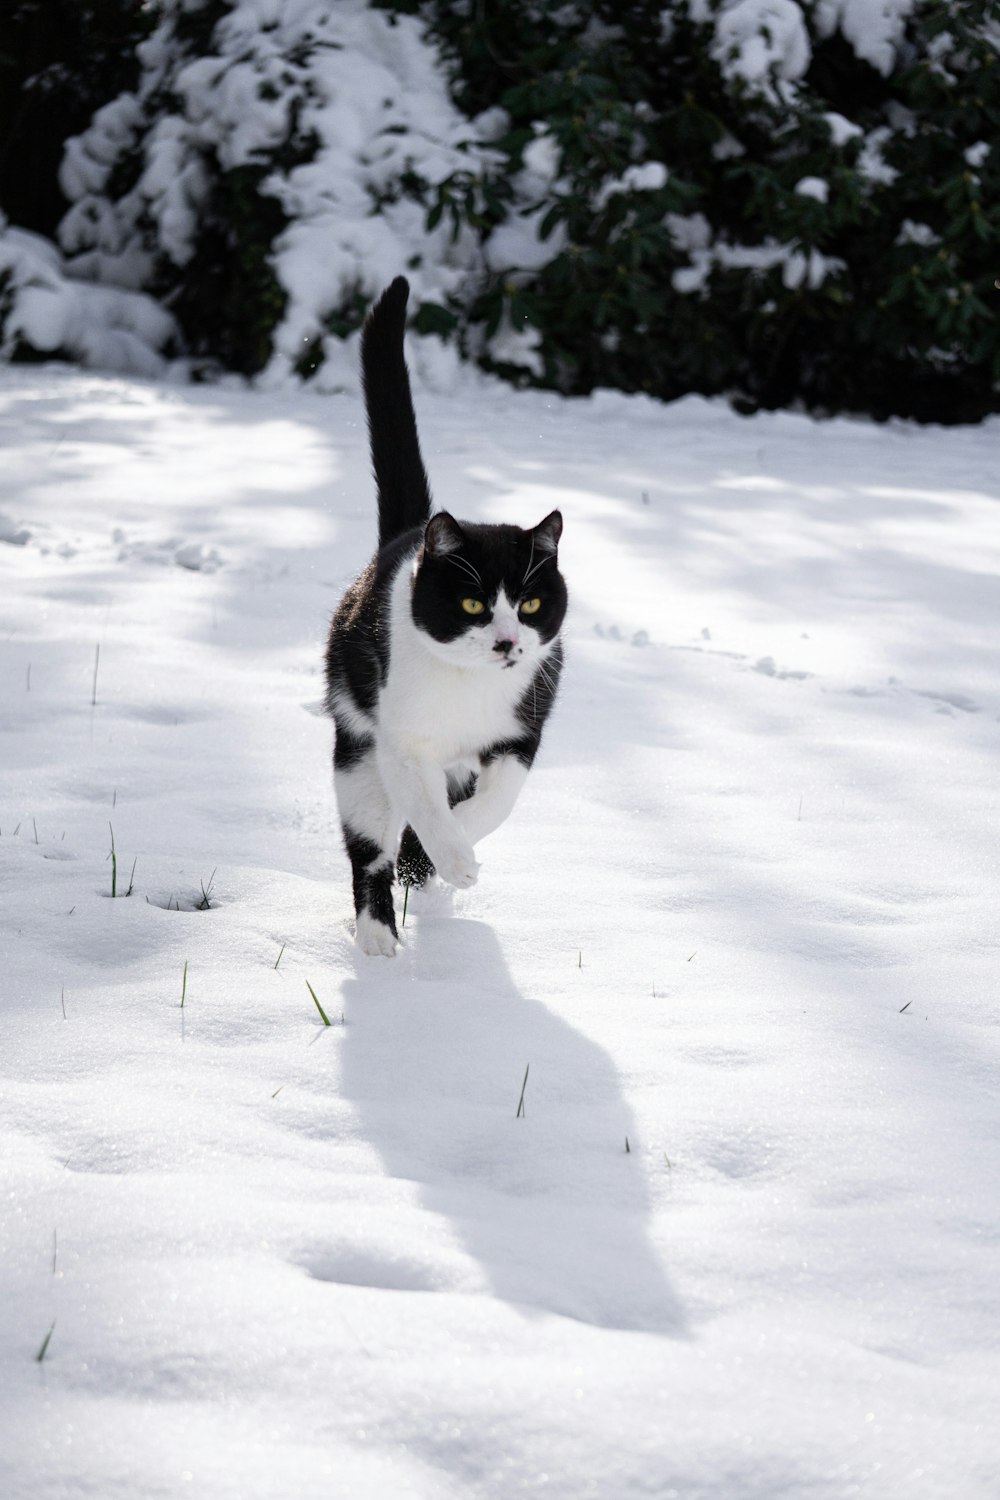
(442, 663)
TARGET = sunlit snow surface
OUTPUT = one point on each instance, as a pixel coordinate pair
(742, 926)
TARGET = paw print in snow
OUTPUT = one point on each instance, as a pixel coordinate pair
(197, 559)
(11, 534)
(612, 633)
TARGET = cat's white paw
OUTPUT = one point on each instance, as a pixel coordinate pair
(374, 938)
(457, 865)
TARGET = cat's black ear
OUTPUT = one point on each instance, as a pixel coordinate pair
(548, 532)
(442, 535)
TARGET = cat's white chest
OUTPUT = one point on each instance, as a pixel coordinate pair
(452, 712)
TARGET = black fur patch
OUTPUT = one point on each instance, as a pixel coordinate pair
(357, 653)
(404, 497)
(372, 889)
(380, 903)
(349, 748)
(536, 704)
(413, 865)
(489, 558)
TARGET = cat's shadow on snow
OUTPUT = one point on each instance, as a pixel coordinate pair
(549, 1210)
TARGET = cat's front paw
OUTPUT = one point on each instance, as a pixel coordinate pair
(457, 865)
(375, 938)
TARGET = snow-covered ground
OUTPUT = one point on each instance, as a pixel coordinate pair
(742, 1243)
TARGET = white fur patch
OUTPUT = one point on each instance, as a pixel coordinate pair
(374, 938)
(449, 699)
(460, 694)
(346, 712)
(363, 804)
(506, 625)
(497, 791)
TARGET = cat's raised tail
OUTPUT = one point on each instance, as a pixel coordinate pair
(404, 496)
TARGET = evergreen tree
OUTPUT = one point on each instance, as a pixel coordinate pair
(775, 200)
(59, 61)
(267, 176)
(779, 200)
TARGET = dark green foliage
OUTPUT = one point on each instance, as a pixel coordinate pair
(60, 60)
(345, 319)
(229, 301)
(866, 315)
(828, 238)
(226, 298)
(194, 25)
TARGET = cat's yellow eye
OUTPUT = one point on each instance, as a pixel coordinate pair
(530, 606)
(473, 606)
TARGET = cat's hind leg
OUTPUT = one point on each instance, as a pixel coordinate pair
(413, 864)
(375, 916)
(370, 838)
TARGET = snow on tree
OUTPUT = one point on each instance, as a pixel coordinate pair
(781, 200)
(268, 176)
(46, 313)
(732, 182)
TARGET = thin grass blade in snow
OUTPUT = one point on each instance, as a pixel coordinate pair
(45, 1345)
(323, 1014)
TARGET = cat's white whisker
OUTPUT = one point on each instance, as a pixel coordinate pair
(539, 564)
(548, 681)
(467, 567)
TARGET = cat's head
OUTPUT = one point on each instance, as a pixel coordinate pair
(489, 597)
